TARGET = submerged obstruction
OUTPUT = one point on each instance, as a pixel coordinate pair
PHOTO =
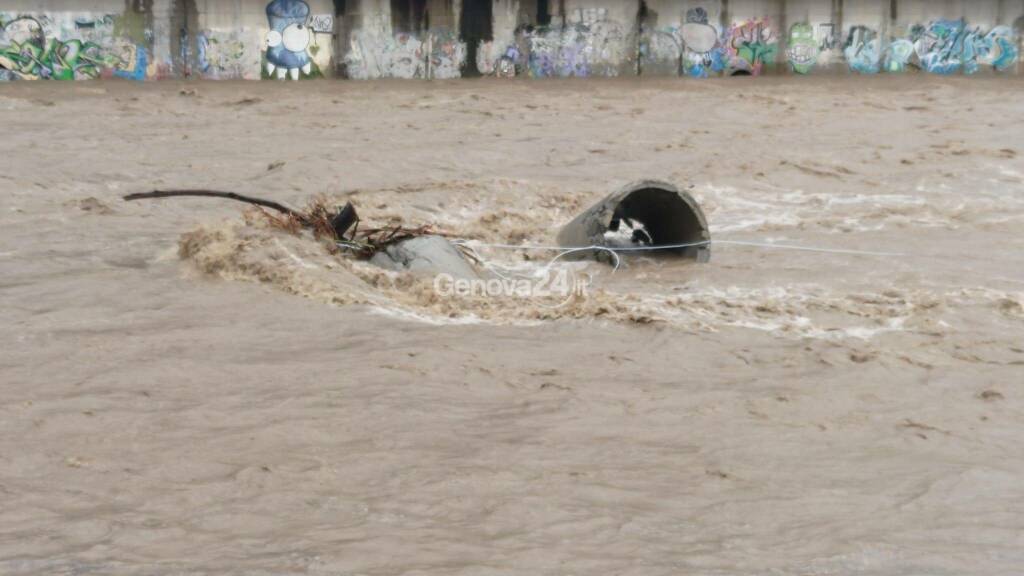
(652, 213)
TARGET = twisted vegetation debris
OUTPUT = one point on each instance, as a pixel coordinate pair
(338, 225)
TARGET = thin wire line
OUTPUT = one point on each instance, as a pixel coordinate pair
(569, 249)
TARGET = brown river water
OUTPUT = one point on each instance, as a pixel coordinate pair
(186, 390)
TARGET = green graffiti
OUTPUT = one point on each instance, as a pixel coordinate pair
(27, 52)
(803, 49)
(752, 44)
(53, 59)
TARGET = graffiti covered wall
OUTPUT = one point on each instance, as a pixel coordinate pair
(75, 46)
(709, 41)
(429, 39)
(939, 47)
(593, 45)
(376, 51)
(586, 42)
(229, 54)
(702, 45)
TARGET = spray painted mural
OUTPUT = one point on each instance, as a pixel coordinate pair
(289, 39)
(744, 48)
(897, 55)
(948, 46)
(228, 55)
(295, 43)
(863, 50)
(750, 45)
(287, 47)
(699, 50)
(71, 47)
(703, 51)
(803, 48)
(375, 52)
(593, 45)
(589, 44)
(941, 47)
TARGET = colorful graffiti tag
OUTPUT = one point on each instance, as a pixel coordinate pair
(743, 48)
(998, 49)
(750, 46)
(942, 47)
(557, 53)
(591, 48)
(863, 50)
(30, 50)
(133, 64)
(40, 57)
(897, 55)
(948, 46)
(803, 48)
(81, 45)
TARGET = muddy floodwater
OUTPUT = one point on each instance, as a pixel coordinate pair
(186, 389)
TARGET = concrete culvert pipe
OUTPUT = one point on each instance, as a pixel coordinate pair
(644, 213)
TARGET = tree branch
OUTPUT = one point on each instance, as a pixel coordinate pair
(215, 194)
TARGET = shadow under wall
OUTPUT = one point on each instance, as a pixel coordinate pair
(476, 25)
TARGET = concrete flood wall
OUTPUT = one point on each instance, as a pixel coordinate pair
(441, 39)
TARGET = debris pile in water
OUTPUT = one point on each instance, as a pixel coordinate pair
(341, 225)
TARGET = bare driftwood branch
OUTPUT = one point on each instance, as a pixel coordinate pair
(215, 194)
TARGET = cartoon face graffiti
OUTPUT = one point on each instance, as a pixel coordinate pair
(803, 49)
(288, 39)
(698, 35)
(700, 40)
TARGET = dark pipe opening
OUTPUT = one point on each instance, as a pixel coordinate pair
(668, 219)
(638, 218)
(654, 213)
